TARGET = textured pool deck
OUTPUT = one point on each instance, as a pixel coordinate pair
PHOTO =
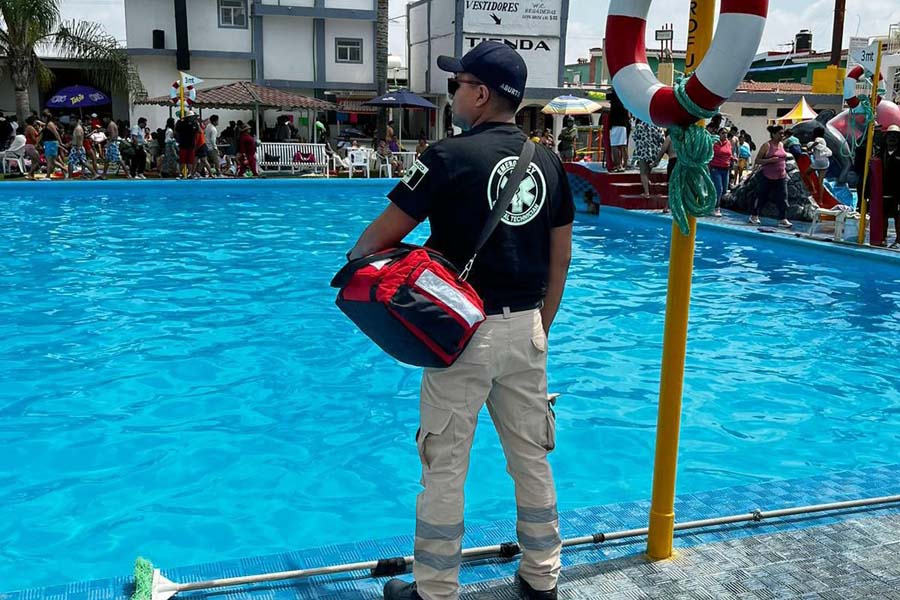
(840, 561)
(848, 554)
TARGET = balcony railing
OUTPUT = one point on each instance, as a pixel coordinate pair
(893, 42)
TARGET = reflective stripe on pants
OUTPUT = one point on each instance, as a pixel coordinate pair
(504, 366)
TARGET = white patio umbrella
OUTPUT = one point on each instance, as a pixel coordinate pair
(571, 105)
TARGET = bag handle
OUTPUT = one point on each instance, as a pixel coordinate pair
(500, 208)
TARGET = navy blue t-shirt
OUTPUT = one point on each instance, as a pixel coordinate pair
(457, 181)
(618, 114)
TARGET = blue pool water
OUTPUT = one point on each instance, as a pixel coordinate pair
(176, 382)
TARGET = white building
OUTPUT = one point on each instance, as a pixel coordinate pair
(890, 64)
(536, 28)
(311, 47)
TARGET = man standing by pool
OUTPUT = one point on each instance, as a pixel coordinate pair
(139, 160)
(186, 134)
(520, 274)
(113, 156)
(78, 156)
(212, 148)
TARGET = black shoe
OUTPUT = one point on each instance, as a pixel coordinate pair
(397, 589)
(529, 593)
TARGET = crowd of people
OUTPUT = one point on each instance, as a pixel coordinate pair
(189, 147)
(736, 158)
(732, 150)
(192, 147)
(732, 163)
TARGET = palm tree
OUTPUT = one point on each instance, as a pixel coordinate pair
(29, 25)
(381, 62)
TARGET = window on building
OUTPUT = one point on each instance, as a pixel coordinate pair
(754, 112)
(348, 50)
(232, 13)
(782, 111)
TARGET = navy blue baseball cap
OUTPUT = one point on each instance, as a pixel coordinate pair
(495, 64)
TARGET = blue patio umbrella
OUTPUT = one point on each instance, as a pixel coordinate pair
(400, 99)
(78, 96)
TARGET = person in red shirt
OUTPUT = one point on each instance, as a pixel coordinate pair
(247, 151)
(31, 140)
(720, 167)
(201, 152)
(89, 152)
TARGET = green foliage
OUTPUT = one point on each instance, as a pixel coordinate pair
(109, 65)
(28, 25)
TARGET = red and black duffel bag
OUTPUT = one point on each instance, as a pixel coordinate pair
(412, 301)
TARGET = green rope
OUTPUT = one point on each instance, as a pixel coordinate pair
(856, 137)
(691, 189)
(689, 105)
(143, 580)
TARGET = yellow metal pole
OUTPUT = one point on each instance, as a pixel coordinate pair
(678, 302)
(181, 92)
(181, 97)
(870, 133)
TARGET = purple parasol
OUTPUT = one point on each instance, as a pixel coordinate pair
(78, 96)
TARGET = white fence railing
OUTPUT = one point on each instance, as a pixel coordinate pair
(295, 156)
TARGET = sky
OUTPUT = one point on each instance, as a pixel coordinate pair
(586, 21)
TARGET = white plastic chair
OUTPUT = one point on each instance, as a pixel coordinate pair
(384, 167)
(405, 160)
(839, 216)
(14, 155)
(359, 159)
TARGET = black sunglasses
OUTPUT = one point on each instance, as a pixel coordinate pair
(453, 85)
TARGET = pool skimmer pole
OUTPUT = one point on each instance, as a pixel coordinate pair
(150, 584)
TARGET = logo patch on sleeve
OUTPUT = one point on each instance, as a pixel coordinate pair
(415, 175)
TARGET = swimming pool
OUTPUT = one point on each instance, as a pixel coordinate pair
(176, 382)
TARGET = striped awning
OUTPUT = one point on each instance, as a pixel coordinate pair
(247, 95)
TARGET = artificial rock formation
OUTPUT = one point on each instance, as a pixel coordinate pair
(801, 206)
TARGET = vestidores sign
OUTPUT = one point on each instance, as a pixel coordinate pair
(525, 17)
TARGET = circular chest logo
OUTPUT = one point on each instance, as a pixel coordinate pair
(529, 198)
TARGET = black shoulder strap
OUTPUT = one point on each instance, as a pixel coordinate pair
(506, 198)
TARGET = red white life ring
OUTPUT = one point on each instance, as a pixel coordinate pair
(850, 82)
(190, 94)
(737, 38)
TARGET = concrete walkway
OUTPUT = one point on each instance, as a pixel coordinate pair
(838, 561)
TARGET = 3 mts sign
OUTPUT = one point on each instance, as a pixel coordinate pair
(866, 56)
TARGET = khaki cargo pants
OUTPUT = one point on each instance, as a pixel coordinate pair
(505, 366)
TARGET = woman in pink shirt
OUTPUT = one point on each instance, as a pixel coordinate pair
(720, 167)
(772, 184)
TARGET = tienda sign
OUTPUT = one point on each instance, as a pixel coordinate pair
(521, 45)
